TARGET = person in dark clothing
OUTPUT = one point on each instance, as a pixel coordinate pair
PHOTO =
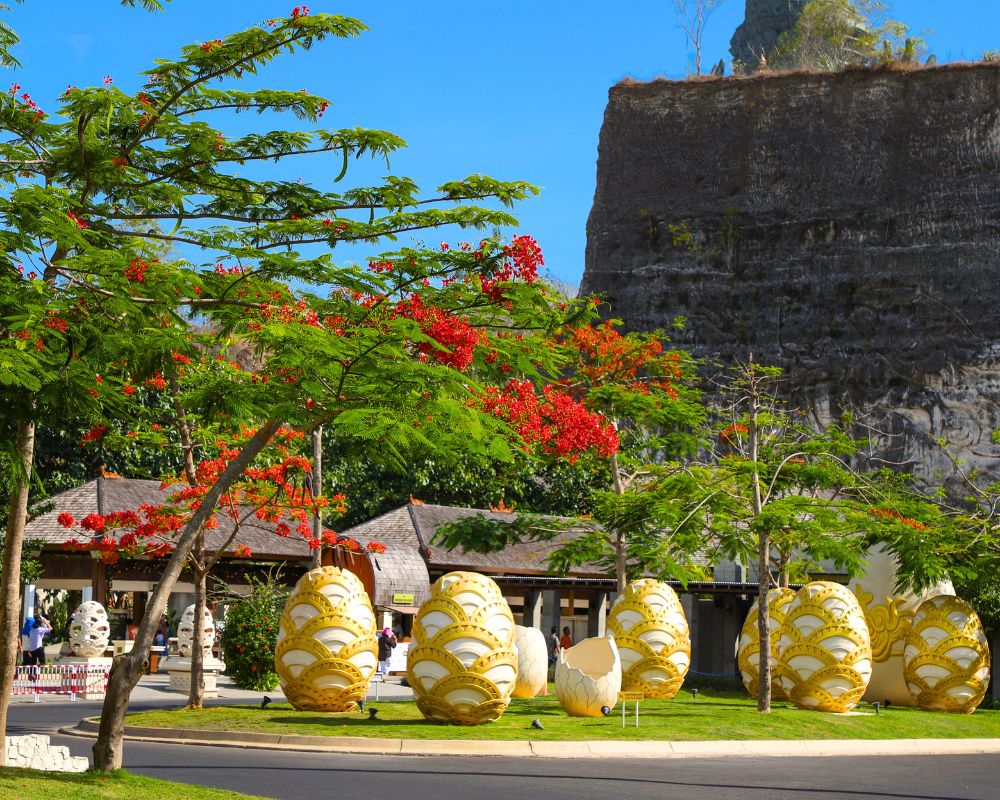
(386, 644)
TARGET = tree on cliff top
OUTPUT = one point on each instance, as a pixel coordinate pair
(692, 17)
(832, 34)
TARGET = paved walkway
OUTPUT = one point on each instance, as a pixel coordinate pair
(155, 689)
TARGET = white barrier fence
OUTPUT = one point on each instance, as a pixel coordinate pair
(66, 679)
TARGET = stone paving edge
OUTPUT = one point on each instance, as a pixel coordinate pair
(88, 726)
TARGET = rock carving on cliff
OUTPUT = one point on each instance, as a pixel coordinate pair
(762, 26)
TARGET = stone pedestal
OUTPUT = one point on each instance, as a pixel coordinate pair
(179, 670)
(89, 680)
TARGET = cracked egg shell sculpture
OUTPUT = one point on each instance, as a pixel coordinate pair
(946, 661)
(588, 676)
(652, 637)
(532, 661)
(748, 646)
(89, 630)
(889, 615)
(824, 653)
(462, 662)
(185, 633)
(326, 651)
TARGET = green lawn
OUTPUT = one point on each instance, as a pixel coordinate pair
(713, 716)
(29, 784)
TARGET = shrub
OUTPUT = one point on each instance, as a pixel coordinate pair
(250, 636)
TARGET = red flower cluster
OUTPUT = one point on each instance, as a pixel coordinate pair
(632, 363)
(207, 46)
(522, 258)
(55, 322)
(156, 382)
(66, 519)
(136, 270)
(893, 516)
(80, 223)
(454, 334)
(734, 431)
(242, 551)
(555, 421)
(95, 434)
(300, 11)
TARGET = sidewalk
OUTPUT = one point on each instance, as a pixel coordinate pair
(154, 689)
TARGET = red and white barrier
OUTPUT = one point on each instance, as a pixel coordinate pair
(88, 680)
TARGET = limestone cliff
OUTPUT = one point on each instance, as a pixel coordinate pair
(845, 226)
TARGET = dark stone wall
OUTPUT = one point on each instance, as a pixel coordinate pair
(845, 226)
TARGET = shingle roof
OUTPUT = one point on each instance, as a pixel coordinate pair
(414, 525)
(105, 495)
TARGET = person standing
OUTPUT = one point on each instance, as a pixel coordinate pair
(553, 645)
(566, 642)
(40, 628)
(386, 644)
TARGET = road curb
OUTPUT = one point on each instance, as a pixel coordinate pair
(88, 727)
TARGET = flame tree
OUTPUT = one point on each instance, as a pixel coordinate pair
(399, 353)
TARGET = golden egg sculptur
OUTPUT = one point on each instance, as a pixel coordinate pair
(946, 661)
(652, 637)
(824, 653)
(462, 662)
(327, 650)
(889, 615)
(589, 676)
(748, 645)
(532, 661)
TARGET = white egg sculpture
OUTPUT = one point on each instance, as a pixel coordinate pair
(462, 662)
(89, 630)
(185, 633)
(824, 653)
(532, 661)
(652, 637)
(889, 614)
(748, 645)
(589, 677)
(326, 651)
(946, 660)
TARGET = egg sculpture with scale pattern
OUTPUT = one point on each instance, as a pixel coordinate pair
(748, 645)
(462, 662)
(824, 653)
(652, 637)
(327, 651)
(946, 661)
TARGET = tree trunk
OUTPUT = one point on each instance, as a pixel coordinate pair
(10, 574)
(763, 626)
(621, 539)
(128, 668)
(196, 694)
(317, 490)
(763, 544)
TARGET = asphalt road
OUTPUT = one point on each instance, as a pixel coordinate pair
(280, 774)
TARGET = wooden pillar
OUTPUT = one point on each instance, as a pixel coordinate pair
(99, 581)
(138, 607)
(552, 611)
(597, 614)
(995, 660)
(532, 616)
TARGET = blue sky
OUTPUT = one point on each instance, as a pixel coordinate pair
(511, 89)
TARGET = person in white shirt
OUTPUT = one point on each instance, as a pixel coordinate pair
(36, 641)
